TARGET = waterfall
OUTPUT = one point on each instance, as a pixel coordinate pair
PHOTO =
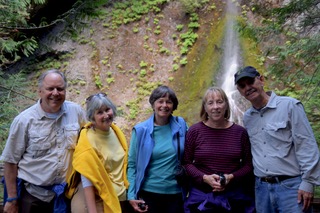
(230, 64)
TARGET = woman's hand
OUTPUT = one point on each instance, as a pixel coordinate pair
(214, 181)
(136, 205)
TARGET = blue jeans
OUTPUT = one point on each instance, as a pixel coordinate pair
(281, 197)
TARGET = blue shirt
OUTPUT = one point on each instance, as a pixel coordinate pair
(160, 176)
(282, 141)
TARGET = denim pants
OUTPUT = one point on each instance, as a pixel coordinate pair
(281, 197)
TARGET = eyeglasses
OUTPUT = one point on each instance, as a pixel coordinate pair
(248, 81)
(100, 94)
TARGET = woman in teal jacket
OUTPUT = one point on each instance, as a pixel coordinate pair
(153, 157)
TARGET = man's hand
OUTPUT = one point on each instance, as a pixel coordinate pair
(306, 198)
(11, 207)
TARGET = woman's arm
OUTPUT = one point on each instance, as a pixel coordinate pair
(131, 172)
(90, 199)
(89, 194)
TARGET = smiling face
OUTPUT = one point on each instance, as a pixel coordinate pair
(52, 93)
(251, 88)
(215, 107)
(103, 118)
(163, 107)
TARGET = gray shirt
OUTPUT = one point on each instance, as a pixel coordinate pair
(42, 145)
(282, 141)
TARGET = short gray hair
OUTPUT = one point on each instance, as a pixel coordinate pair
(95, 102)
(43, 75)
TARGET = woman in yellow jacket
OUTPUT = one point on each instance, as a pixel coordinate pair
(99, 180)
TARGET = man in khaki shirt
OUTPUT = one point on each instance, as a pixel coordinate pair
(39, 147)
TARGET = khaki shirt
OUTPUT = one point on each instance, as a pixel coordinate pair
(43, 146)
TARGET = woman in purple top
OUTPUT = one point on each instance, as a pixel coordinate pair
(218, 160)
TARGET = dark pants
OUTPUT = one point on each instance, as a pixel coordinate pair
(31, 204)
(160, 203)
(126, 207)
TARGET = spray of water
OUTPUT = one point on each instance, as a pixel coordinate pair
(231, 60)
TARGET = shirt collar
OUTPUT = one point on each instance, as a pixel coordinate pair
(270, 105)
(42, 113)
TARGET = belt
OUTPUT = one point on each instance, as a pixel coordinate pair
(275, 179)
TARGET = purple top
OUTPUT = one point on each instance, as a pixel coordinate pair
(209, 151)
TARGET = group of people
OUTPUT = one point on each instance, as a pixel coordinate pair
(59, 158)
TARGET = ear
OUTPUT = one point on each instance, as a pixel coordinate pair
(262, 80)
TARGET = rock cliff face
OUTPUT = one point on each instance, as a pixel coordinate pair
(295, 22)
(114, 61)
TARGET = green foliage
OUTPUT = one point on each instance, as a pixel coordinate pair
(191, 6)
(143, 64)
(164, 50)
(14, 97)
(135, 30)
(143, 73)
(188, 39)
(294, 68)
(133, 10)
(133, 108)
(184, 61)
(194, 25)
(179, 27)
(19, 37)
(110, 80)
(157, 32)
(160, 42)
(98, 82)
(175, 67)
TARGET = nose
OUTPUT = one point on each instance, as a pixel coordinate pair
(215, 105)
(105, 114)
(55, 91)
(164, 104)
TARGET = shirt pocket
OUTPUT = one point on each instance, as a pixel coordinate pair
(71, 133)
(40, 143)
(277, 131)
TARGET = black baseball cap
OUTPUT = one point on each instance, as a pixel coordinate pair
(248, 71)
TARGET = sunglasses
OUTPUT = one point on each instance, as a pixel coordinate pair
(100, 94)
(248, 81)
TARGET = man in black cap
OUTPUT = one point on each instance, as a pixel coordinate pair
(285, 152)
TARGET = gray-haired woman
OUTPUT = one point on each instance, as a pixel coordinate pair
(99, 161)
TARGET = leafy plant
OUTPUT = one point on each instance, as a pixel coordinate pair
(292, 51)
(14, 98)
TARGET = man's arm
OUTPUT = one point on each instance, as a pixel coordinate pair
(10, 175)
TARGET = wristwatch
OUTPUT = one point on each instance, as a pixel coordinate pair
(10, 199)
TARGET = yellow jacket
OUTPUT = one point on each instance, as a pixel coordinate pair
(86, 162)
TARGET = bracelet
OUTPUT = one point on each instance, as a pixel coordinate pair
(10, 199)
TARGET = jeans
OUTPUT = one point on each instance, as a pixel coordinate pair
(281, 197)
